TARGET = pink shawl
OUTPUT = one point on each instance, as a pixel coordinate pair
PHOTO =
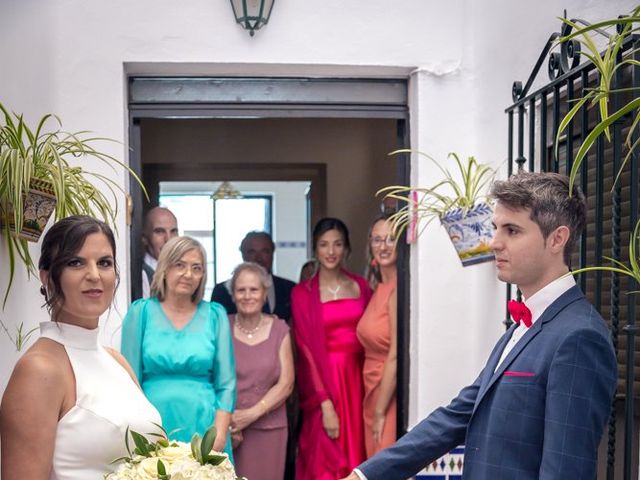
(314, 384)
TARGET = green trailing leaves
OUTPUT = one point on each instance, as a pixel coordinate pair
(632, 270)
(607, 64)
(49, 153)
(461, 187)
(596, 132)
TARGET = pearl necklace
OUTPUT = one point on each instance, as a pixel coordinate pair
(249, 332)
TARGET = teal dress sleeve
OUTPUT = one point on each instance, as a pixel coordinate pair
(133, 327)
(224, 363)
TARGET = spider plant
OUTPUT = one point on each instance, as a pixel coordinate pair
(632, 270)
(607, 65)
(463, 189)
(54, 156)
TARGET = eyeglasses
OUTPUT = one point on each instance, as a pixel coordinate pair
(378, 241)
(182, 268)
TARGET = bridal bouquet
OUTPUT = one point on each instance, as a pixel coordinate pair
(170, 460)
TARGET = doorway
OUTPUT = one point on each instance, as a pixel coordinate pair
(334, 133)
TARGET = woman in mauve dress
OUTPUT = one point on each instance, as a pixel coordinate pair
(326, 310)
(377, 333)
(264, 367)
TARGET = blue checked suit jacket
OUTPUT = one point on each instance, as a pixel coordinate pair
(539, 416)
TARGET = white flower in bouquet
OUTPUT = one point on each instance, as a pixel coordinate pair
(169, 460)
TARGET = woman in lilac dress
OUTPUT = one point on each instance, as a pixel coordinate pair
(326, 311)
(264, 370)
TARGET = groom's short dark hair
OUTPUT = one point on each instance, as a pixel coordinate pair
(550, 201)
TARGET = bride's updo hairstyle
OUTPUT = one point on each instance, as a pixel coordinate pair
(60, 245)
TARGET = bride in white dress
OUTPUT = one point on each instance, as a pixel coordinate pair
(69, 401)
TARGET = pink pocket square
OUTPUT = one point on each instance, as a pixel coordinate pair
(519, 374)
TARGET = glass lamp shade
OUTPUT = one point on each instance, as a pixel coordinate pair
(252, 14)
(226, 190)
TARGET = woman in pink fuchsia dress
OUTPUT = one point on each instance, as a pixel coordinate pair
(326, 311)
(377, 333)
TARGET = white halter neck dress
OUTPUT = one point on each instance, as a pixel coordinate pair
(91, 435)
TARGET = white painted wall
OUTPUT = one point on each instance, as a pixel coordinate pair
(71, 57)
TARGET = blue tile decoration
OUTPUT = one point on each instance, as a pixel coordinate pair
(449, 467)
(471, 232)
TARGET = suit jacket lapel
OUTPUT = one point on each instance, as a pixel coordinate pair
(492, 362)
(549, 314)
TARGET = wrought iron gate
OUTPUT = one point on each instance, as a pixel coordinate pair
(533, 122)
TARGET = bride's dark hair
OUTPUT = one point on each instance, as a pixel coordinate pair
(60, 244)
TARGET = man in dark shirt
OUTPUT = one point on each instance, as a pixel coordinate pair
(258, 247)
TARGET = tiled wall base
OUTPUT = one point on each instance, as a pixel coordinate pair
(449, 467)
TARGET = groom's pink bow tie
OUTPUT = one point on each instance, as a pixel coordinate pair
(520, 312)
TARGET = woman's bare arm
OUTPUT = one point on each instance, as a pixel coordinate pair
(389, 373)
(31, 407)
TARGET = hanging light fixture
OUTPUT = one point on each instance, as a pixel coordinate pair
(226, 190)
(252, 14)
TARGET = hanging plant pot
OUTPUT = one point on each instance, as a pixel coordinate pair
(470, 232)
(38, 205)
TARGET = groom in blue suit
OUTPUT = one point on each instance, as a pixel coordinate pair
(538, 408)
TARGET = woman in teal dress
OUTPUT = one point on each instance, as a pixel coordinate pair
(181, 348)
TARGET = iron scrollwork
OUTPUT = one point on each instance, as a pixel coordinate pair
(559, 63)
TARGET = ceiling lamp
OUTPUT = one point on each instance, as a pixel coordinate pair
(252, 14)
(226, 190)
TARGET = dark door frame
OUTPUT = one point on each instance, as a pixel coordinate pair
(209, 97)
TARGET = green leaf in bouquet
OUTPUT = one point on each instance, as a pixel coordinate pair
(163, 442)
(213, 460)
(126, 440)
(142, 444)
(164, 432)
(195, 448)
(207, 441)
(162, 471)
(172, 432)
